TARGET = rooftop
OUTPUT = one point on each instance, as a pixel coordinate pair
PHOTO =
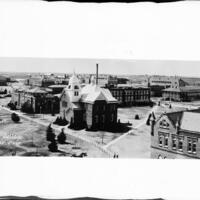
(184, 89)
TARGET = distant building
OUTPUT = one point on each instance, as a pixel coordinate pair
(113, 81)
(176, 135)
(158, 83)
(91, 107)
(46, 80)
(187, 93)
(128, 95)
(36, 100)
(34, 81)
(57, 89)
(4, 80)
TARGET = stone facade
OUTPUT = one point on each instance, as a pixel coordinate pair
(91, 107)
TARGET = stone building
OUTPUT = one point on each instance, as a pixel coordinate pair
(176, 135)
(37, 100)
(90, 107)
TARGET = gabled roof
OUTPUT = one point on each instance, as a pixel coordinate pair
(184, 89)
(191, 122)
(91, 93)
(188, 120)
(39, 90)
(175, 117)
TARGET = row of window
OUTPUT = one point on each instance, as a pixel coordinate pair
(101, 118)
(177, 142)
(142, 92)
(103, 107)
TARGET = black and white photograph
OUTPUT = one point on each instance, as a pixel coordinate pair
(99, 100)
(97, 108)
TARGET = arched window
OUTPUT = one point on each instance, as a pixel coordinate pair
(76, 87)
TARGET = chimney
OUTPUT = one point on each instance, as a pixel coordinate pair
(97, 73)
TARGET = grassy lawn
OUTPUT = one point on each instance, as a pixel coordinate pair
(29, 139)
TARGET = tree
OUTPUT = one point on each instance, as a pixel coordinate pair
(53, 147)
(153, 115)
(27, 107)
(58, 120)
(50, 135)
(15, 117)
(61, 137)
(148, 120)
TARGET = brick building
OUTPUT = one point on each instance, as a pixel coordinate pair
(176, 135)
(128, 95)
(90, 107)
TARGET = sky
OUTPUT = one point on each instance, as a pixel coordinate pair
(106, 66)
(134, 33)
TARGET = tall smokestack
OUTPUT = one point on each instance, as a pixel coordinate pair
(97, 73)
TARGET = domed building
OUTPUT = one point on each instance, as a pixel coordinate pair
(90, 107)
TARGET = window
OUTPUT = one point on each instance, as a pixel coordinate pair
(75, 93)
(103, 118)
(166, 141)
(160, 140)
(174, 142)
(192, 144)
(180, 143)
(189, 146)
(112, 117)
(76, 87)
(64, 104)
(96, 119)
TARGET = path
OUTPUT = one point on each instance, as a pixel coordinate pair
(134, 128)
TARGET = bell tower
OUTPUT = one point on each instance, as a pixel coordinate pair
(74, 88)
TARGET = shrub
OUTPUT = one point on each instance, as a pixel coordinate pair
(61, 122)
(53, 147)
(137, 117)
(15, 117)
(12, 106)
(58, 120)
(61, 137)
(50, 135)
